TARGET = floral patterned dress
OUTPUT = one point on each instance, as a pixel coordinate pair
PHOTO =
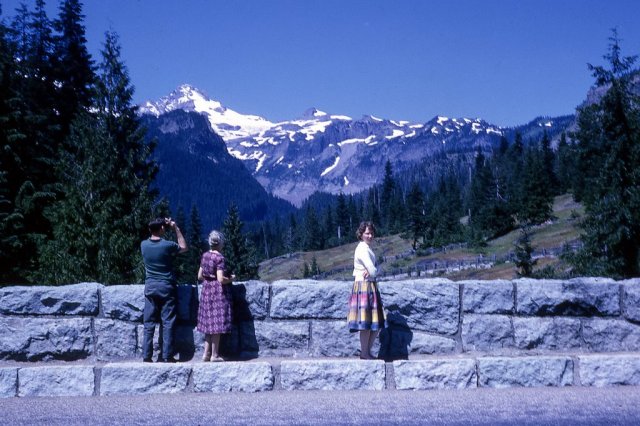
(215, 311)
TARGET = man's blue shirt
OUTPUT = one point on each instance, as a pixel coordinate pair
(158, 258)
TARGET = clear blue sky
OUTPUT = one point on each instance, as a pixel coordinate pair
(506, 61)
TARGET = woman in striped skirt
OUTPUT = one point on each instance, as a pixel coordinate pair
(366, 313)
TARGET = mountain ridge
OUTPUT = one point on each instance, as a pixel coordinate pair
(319, 151)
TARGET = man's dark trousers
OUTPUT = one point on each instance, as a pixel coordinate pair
(159, 307)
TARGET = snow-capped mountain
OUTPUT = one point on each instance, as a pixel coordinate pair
(227, 123)
(327, 152)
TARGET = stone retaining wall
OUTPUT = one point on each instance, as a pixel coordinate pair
(439, 334)
(137, 378)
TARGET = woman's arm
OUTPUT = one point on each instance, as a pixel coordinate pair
(222, 279)
(200, 277)
(364, 257)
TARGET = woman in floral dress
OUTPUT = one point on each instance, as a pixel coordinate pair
(214, 313)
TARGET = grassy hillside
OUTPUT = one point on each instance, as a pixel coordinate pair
(397, 259)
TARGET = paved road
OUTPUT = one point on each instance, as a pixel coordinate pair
(514, 406)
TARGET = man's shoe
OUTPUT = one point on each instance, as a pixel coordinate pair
(169, 360)
(147, 360)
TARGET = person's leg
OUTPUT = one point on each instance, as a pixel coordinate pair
(364, 344)
(168, 322)
(149, 318)
(207, 348)
(373, 335)
(215, 343)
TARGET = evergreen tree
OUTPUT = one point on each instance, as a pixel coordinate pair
(314, 270)
(386, 198)
(87, 242)
(189, 262)
(342, 218)
(565, 168)
(523, 251)
(371, 210)
(240, 258)
(514, 164)
(609, 140)
(28, 139)
(105, 173)
(74, 68)
(416, 215)
(312, 236)
(536, 201)
(195, 235)
(354, 218)
(548, 163)
(489, 213)
(444, 214)
(183, 270)
(118, 113)
(327, 228)
(289, 239)
(10, 218)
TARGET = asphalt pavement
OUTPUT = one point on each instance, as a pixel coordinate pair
(511, 406)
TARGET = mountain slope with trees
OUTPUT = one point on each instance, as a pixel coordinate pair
(197, 171)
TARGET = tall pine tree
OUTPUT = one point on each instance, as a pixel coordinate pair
(106, 171)
(73, 66)
(239, 255)
(609, 153)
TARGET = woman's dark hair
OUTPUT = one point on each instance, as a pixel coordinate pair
(363, 227)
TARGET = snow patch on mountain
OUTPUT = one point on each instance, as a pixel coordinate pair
(333, 166)
(226, 122)
(322, 151)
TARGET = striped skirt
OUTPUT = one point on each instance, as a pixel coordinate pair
(365, 307)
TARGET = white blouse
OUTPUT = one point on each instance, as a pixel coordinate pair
(364, 259)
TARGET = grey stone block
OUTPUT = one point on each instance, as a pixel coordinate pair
(56, 381)
(282, 338)
(332, 375)
(40, 339)
(115, 339)
(242, 342)
(430, 305)
(547, 333)
(302, 299)
(8, 382)
(631, 299)
(577, 297)
(454, 373)
(233, 376)
(610, 335)
(76, 299)
(498, 372)
(250, 300)
(123, 302)
(487, 297)
(422, 343)
(333, 338)
(609, 370)
(486, 333)
(139, 379)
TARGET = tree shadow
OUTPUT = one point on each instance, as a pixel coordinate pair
(241, 343)
(395, 338)
(186, 321)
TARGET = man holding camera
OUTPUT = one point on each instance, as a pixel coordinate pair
(160, 286)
